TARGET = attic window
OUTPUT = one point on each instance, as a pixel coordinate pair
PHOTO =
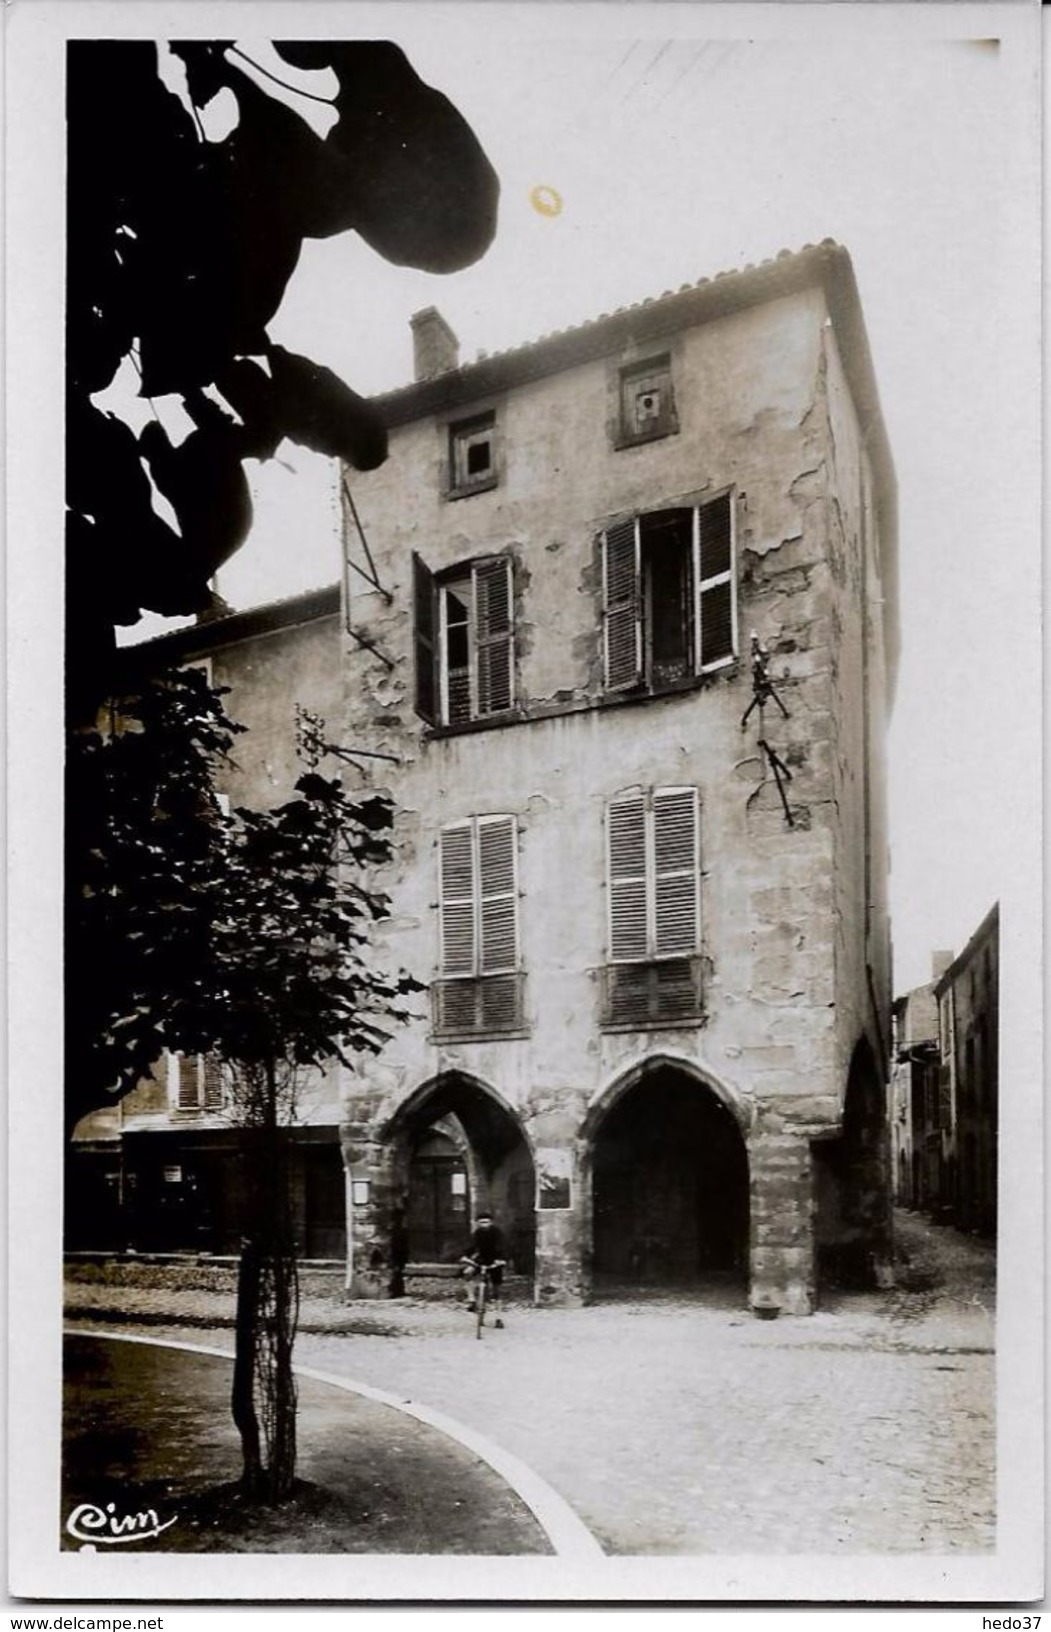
(647, 406)
(472, 456)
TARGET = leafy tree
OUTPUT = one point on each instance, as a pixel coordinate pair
(289, 988)
(179, 250)
(145, 853)
(242, 935)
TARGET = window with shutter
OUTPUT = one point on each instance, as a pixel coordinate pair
(675, 870)
(653, 874)
(464, 641)
(494, 615)
(653, 976)
(716, 614)
(622, 633)
(669, 597)
(457, 900)
(187, 1093)
(425, 619)
(211, 1083)
(628, 916)
(497, 894)
(480, 989)
(196, 1082)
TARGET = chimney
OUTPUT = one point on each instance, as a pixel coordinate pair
(940, 961)
(435, 348)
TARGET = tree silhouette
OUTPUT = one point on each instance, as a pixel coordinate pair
(179, 250)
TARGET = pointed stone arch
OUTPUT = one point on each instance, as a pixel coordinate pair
(665, 1175)
(628, 1077)
(853, 1182)
(490, 1164)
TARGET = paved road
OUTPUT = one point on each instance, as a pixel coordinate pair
(676, 1428)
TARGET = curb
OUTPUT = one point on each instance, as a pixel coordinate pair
(567, 1533)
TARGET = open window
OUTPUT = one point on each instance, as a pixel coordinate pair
(464, 641)
(669, 596)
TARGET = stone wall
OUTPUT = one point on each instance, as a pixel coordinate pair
(784, 921)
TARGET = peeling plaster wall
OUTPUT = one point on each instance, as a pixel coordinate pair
(763, 409)
(743, 387)
(858, 713)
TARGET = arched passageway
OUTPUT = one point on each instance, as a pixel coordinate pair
(669, 1186)
(853, 1183)
(457, 1150)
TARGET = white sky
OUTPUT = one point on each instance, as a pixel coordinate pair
(836, 120)
(679, 154)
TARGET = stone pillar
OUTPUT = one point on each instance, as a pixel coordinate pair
(559, 1269)
(782, 1209)
(869, 1203)
(372, 1194)
(559, 1277)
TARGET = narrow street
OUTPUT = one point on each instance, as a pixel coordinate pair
(672, 1427)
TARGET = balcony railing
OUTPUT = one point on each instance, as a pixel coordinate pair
(482, 1006)
(664, 992)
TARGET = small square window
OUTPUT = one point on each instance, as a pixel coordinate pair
(647, 407)
(472, 456)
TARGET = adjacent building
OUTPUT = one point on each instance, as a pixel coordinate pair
(618, 632)
(946, 1086)
(920, 1139)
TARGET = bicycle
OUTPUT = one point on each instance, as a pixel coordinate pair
(486, 1287)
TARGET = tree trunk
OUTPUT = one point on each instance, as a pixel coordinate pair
(264, 1400)
(245, 1350)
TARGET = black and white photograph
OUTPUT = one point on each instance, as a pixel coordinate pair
(525, 729)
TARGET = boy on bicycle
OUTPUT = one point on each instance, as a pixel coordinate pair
(486, 1252)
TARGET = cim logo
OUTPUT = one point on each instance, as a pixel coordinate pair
(91, 1524)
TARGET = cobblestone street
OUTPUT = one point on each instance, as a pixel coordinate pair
(674, 1427)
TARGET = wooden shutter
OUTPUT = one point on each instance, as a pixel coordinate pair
(498, 895)
(457, 899)
(187, 1093)
(715, 578)
(211, 1072)
(626, 834)
(675, 871)
(425, 622)
(493, 634)
(622, 631)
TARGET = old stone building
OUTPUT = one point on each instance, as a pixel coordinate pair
(919, 1136)
(659, 1026)
(945, 1085)
(651, 917)
(968, 998)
